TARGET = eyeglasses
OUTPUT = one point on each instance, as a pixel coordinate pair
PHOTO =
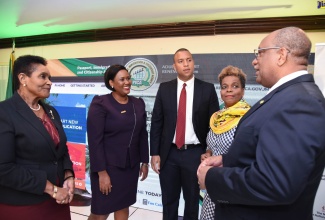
(257, 51)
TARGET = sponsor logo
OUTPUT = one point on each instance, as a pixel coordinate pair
(320, 4)
(149, 203)
(143, 73)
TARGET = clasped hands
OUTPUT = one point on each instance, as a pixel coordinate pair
(206, 164)
(64, 195)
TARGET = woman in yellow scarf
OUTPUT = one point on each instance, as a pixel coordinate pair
(223, 123)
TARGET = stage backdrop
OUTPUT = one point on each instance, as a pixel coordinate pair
(319, 204)
(77, 81)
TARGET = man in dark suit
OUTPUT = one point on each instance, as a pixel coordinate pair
(176, 163)
(275, 164)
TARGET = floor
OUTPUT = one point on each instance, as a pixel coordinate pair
(82, 212)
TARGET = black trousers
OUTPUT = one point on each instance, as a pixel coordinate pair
(179, 173)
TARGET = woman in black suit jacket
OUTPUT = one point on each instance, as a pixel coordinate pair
(36, 174)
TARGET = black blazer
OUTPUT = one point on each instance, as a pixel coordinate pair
(164, 116)
(28, 155)
(274, 166)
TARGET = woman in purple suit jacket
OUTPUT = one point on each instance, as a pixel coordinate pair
(118, 143)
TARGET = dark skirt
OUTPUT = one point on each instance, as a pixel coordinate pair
(49, 210)
(123, 194)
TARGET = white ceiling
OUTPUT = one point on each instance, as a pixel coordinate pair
(35, 17)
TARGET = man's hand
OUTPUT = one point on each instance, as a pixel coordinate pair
(201, 173)
(155, 163)
(214, 161)
(207, 154)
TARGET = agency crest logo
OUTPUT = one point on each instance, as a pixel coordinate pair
(143, 73)
(320, 4)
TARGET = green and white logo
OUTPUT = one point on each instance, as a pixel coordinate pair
(143, 73)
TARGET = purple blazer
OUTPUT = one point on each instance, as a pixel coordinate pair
(113, 129)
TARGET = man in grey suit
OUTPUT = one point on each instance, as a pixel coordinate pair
(177, 164)
(274, 166)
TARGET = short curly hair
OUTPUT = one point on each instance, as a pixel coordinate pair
(232, 71)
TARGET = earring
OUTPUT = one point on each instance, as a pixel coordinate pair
(112, 87)
(24, 84)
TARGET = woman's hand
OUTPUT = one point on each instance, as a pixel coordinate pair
(61, 195)
(105, 185)
(70, 185)
(144, 169)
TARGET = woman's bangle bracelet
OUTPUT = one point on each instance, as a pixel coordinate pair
(145, 164)
(68, 177)
(55, 190)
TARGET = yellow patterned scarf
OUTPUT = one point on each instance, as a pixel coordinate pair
(227, 118)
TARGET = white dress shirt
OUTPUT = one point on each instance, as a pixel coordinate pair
(190, 136)
(287, 78)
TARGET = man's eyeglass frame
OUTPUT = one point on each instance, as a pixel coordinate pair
(257, 51)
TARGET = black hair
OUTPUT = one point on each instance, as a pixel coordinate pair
(25, 64)
(110, 74)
